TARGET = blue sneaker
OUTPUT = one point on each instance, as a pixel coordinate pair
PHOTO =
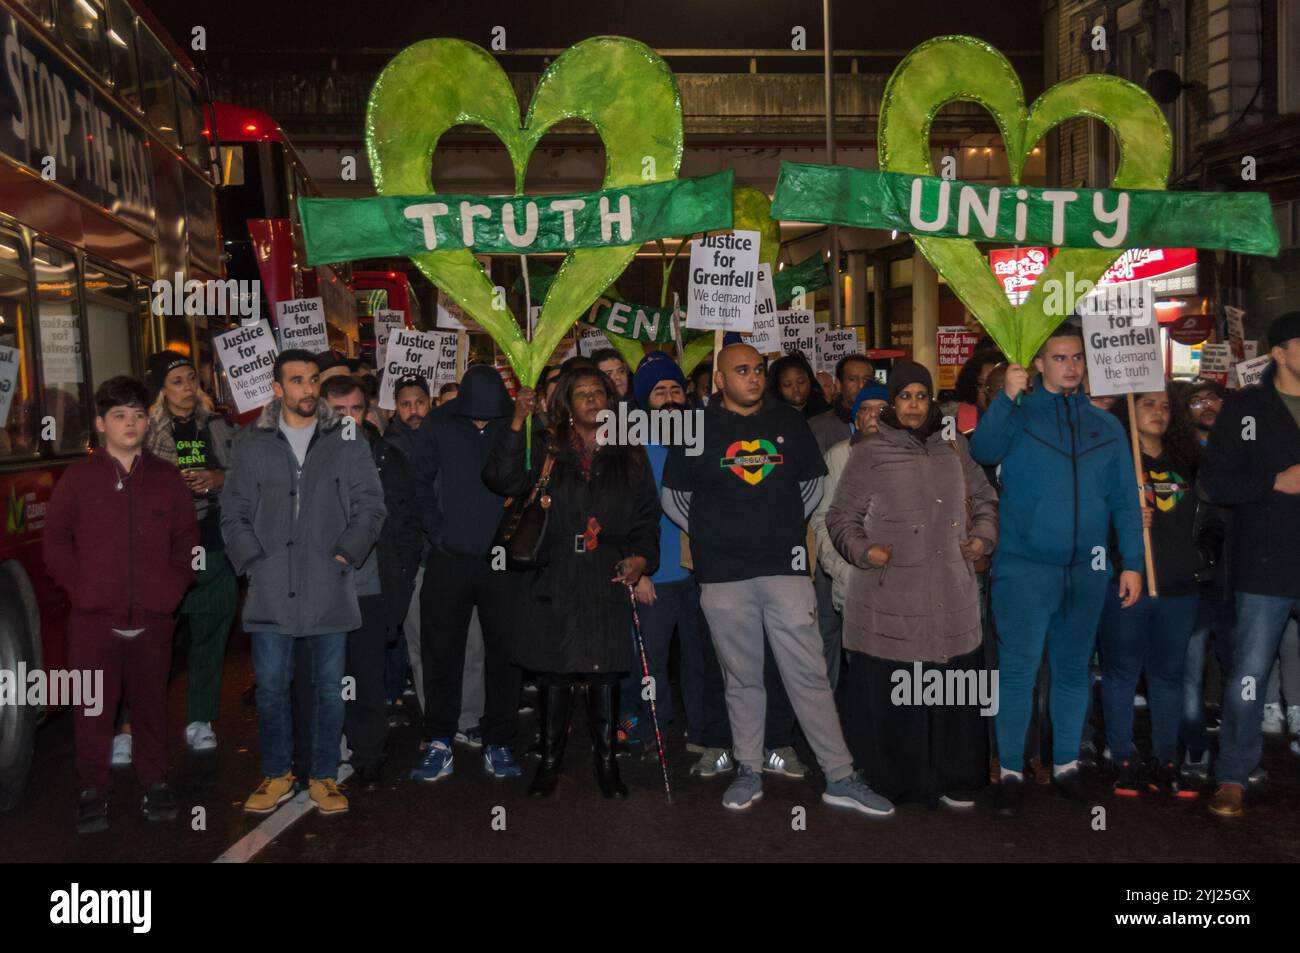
(852, 792)
(438, 762)
(499, 762)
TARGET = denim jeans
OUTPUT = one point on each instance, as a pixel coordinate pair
(676, 607)
(1260, 621)
(273, 660)
(1215, 619)
(1151, 635)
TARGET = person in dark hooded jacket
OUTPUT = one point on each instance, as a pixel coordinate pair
(460, 516)
(602, 536)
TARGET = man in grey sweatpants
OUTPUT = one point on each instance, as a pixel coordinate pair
(745, 498)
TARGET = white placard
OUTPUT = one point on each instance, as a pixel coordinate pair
(724, 282)
(10, 358)
(832, 345)
(1250, 349)
(453, 318)
(765, 305)
(387, 320)
(429, 354)
(797, 332)
(1124, 357)
(60, 345)
(302, 324)
(591, 340)
(1236, 330)
(1215, 359)
(1249, 372)
(765, 338)
(248, 355)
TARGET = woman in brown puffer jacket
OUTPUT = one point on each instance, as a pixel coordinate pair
(913, 513)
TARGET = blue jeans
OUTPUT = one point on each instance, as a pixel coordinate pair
(1151, 634)
(1216, 619)
(1260, 621)
(273, 666)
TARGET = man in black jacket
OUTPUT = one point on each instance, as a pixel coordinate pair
(460, 517)
(384, 582)
(1252, 464)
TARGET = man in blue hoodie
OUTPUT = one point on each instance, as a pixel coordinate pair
(1068, 477)
(460, 518)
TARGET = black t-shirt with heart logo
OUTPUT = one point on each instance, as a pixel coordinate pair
(747, 507)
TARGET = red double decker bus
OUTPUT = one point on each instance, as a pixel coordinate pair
(262, 177)
(106, 186)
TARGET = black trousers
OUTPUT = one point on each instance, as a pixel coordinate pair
(914, 752)
(454, 586)
(778, 731)
(365, 718)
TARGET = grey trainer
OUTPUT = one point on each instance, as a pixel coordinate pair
(785, 762)
(713, 761)
(745, 790)
(852, 792)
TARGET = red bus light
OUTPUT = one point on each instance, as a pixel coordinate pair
(250, 127)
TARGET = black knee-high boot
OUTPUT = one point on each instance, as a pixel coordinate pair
(602, 704)
(555, 701)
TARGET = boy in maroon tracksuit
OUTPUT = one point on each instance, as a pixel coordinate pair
(120, 539)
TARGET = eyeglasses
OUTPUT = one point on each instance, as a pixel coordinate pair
(1198, 402)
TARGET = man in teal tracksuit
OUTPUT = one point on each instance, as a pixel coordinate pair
(1068, 476)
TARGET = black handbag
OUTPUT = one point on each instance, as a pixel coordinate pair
(522, 531)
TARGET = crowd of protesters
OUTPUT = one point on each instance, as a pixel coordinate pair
(922, 600)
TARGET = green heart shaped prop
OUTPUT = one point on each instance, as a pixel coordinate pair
(618, 85)
(950, 68)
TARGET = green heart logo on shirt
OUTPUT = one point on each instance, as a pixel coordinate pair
(951, 68)
(618, 85)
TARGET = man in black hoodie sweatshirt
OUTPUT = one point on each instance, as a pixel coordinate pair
(460, 517)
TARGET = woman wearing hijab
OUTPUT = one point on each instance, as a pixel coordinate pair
(913, 512)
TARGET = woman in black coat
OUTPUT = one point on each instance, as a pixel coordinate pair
(602, 535)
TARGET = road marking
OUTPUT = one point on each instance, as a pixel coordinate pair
(261, 837)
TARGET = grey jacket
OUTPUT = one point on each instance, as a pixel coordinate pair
(284, 529)
(924, 604)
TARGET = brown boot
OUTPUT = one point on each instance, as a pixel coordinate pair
(1227, 801)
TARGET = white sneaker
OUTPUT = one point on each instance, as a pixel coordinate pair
(1273, 720)
(199, 736)
(1293, 719)
(121, 750)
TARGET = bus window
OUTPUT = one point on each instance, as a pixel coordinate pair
(156, 86)
(417, 319)
(122, 50)
(17, 407)
(191, 125)
(42, 9)
(232, 165)
(109, 325)
(81, 27)
(201, 223)
(58, 316)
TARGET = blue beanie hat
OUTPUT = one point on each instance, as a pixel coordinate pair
(870, 392)
(650, 373)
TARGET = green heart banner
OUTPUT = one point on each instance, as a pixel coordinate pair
(810, 274)
(619, 86)
(962, 68)
(345, 229)
(1071, 218)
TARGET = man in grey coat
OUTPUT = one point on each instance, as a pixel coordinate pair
(301, 509)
